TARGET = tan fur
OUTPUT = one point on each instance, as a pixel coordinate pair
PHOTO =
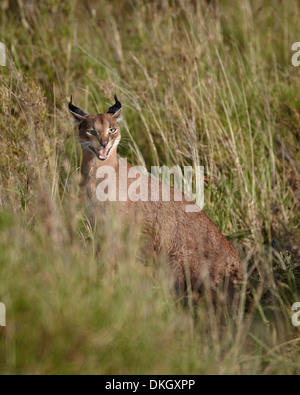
(197, 251)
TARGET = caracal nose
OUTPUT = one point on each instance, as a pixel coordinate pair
(104, 143)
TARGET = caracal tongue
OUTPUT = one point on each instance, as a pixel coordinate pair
(103, 152)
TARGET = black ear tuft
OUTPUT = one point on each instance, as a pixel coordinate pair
(116, 107)
(76, 110)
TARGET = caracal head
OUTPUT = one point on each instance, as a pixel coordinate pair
(101, 133)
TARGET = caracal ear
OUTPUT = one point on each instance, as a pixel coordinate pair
(117, 116)
(116, 110)
(77, 113)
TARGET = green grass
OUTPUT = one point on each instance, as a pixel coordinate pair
(203, 84)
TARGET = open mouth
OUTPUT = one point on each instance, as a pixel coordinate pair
(103, 153)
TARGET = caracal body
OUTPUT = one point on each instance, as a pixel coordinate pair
(196, 250)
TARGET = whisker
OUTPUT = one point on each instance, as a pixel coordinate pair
(85, 144)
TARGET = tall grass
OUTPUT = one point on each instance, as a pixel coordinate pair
(207, 83)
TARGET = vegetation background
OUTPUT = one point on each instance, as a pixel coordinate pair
(203, 82)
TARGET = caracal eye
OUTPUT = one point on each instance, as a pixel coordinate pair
(92, 133)
(112, 131)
